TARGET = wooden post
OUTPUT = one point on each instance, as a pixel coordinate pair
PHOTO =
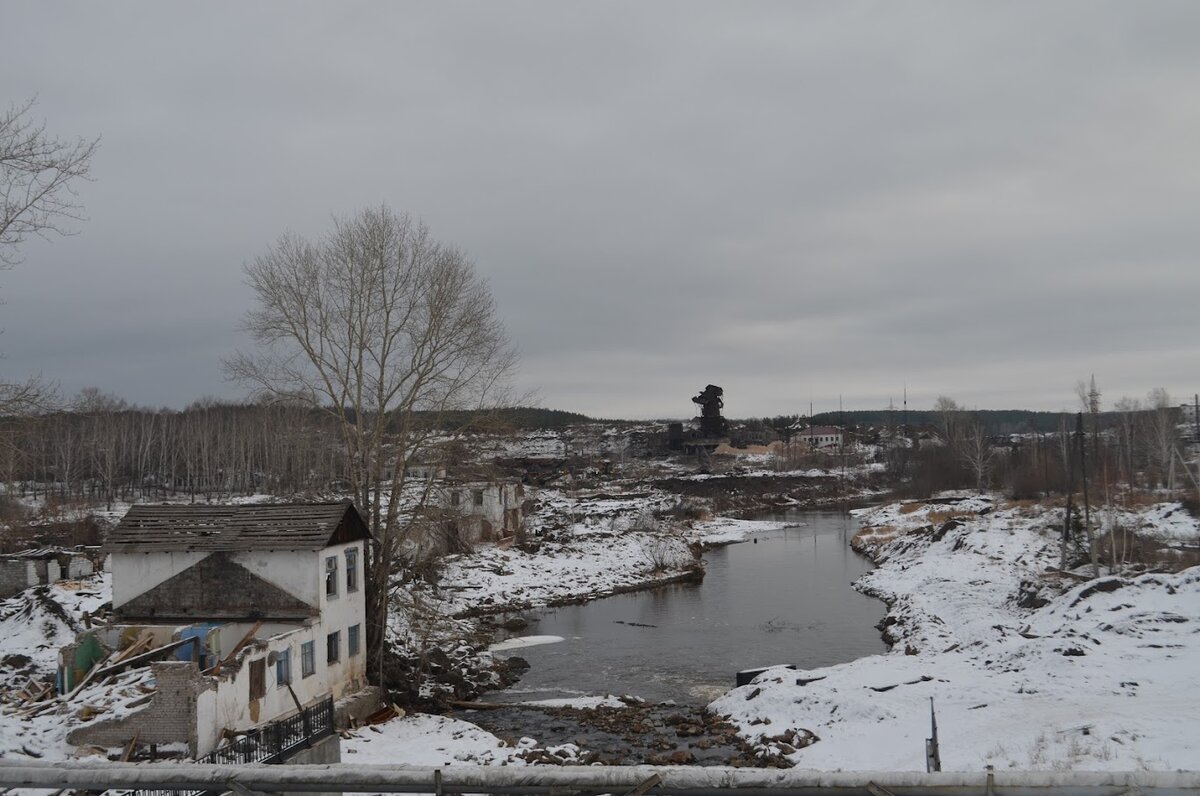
(933, 755)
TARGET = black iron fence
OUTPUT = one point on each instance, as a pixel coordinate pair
(271, 743)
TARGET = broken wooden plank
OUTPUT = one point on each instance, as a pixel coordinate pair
(130, 747)
(141, 659)
(87, 678)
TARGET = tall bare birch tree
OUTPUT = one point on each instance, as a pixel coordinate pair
(385, 329)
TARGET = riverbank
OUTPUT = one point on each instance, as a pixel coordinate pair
(578, 548)
(1027, 667)
(642, 527)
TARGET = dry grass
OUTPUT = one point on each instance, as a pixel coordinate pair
(909, 508)
(938, 517)
(873, 536)
(1140, 499)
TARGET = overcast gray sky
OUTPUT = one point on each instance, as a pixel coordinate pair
(791, 200)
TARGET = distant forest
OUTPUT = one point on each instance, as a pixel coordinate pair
(101, 448)
(995, 421)
(527, 418)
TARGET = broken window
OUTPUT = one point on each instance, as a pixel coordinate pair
(333, 646)
(258, 678)
(352, 640)
(283, 668)
(308, 659)
(331, 576)
(352, 570)
(478, 495)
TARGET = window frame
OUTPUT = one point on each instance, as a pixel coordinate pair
(258, 678)
(353, 640)
(283, 668)
(333, 647)
(331, 578)
(308, 659)
(351, 570)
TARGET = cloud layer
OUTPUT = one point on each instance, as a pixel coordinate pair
(795, 201)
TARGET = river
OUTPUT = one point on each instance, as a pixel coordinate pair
(783, 597)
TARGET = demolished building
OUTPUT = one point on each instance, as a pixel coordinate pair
(246, 615)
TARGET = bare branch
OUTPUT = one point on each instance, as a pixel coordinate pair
(38, 174)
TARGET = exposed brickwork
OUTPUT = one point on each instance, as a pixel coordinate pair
(215, 588)
(14, 577)
(170, 717)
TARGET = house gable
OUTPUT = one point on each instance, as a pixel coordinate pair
(216, 587)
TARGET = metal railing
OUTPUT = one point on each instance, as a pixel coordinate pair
(271, 743)
(588, 780)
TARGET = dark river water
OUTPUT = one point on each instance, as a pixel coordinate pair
(786, 598)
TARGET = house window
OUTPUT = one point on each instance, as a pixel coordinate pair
(308, 659)
(352, 570)
(258, 678)
(477, 494)
(283, 668)
(333, 646)
(331, 576)
(454, 498)
(352, 640)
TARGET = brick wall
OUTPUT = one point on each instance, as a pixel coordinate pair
(170, 717)
(15, 576)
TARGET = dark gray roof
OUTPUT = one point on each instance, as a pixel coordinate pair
(290, 526)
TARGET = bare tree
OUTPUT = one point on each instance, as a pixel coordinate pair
(976, 451)
(1162, 435)
(952, 417)
(38, 173)
(387, 330)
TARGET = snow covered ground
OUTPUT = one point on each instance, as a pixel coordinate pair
(1026, 669)
(593, 545)
(33, 626)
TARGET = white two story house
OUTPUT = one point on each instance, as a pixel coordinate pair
(271, 597)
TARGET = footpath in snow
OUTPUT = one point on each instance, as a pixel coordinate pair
(1027, 669)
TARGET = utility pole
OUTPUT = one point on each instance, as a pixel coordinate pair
(1196, 418)
(1087, 506)
(1066, 531)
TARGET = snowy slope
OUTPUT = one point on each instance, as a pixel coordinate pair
(1106, 675)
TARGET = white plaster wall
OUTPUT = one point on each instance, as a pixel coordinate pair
(135, 573)
(231, 706)
(290, 570)
(340, 613)
(208, 731)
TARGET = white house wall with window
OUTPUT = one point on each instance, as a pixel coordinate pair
(273, 595)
